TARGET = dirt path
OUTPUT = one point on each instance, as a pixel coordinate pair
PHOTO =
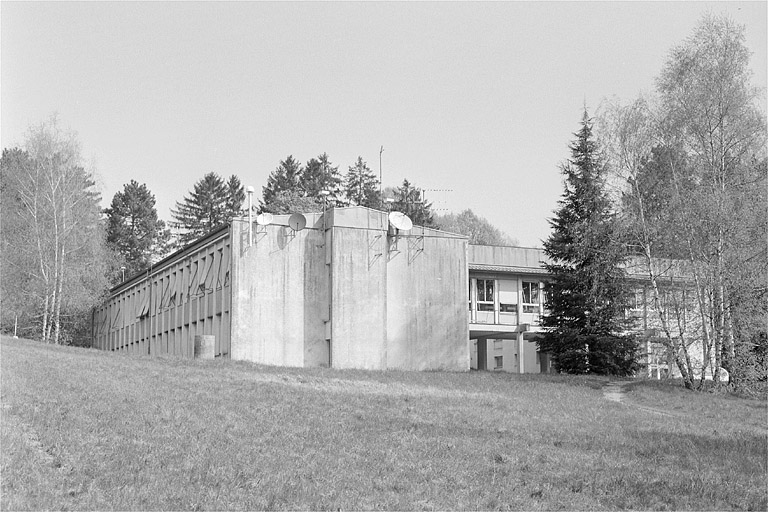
(615, 392)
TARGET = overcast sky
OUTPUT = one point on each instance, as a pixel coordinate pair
(481, 99)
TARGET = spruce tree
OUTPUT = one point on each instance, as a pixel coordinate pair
(319, 174)
(286, 177)
(235, 198)
(361, 186)
(203, 210)
(587, 294)
(409, 200)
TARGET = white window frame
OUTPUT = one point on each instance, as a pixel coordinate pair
(527, 305)
(486, 302)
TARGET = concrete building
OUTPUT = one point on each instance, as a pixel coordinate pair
(349, 290)
(346, 290)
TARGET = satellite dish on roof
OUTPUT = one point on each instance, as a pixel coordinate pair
(400, 221)
(297, 222)
(264, 219)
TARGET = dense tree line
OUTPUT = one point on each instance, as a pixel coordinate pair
(292, 187)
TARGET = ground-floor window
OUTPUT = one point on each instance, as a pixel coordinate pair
(498, 362)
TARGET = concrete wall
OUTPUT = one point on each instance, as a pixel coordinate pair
(427, 294)
(280, 294)
(358, 266)
(397, 301)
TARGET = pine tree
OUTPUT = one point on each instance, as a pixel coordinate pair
(361, 186)
(409, 200)
(587, 295)
(133, 229)
(319, 174)
(286, 177)
(203, 210)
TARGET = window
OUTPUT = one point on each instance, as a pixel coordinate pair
(508, 308)
(530, 297)
(498, 362)
(485, 294)
(498, 344)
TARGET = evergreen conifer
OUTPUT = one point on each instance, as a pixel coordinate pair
(587, 295)
(203, 210)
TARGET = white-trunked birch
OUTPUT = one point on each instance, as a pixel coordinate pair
(58, 249)
(691, 166)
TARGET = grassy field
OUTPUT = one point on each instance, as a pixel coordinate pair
(83, 429)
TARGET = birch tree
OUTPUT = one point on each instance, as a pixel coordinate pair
(693, 165)
(60, 243)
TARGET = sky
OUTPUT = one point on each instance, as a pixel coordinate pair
(474, 102)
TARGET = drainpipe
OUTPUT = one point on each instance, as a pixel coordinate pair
(329, 265)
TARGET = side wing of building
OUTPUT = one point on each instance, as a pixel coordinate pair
(183, 299)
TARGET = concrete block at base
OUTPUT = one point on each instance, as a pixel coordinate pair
(205, 346)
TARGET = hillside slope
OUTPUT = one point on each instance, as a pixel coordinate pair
(84, 429)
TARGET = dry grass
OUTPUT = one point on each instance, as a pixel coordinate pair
(83, 429)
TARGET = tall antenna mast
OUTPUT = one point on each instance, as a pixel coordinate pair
(380, 152)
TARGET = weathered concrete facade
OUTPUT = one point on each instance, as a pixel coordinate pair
(348, 292)
(279, 294)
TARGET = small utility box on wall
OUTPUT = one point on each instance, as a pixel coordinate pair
(205, 346)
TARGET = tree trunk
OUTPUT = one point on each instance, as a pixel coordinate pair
(57, 312)
(44, 330)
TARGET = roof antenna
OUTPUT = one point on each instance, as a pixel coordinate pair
(380, 152)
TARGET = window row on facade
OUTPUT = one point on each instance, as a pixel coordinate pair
(505, 301)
